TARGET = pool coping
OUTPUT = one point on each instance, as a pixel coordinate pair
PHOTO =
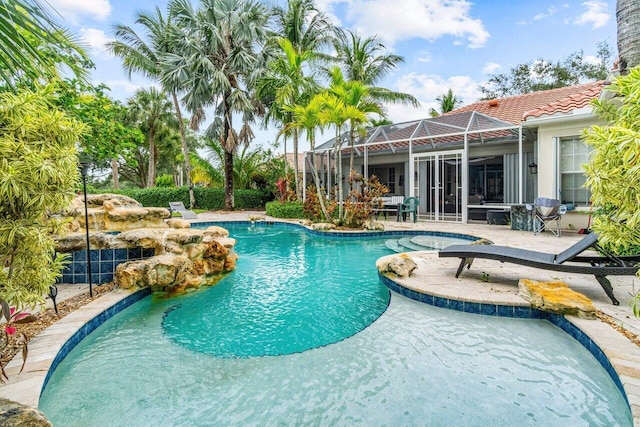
(618, 356)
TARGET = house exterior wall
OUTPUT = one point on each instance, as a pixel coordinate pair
(550, 132)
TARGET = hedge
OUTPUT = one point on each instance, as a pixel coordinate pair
(278, 209)
(206, 198)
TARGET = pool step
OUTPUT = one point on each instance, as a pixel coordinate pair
(404, 244)
(394, 246)
(408, 244)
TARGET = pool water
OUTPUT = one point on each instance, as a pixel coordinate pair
(414, 365)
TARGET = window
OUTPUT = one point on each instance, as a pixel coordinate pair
(573, 154)
(391, 184)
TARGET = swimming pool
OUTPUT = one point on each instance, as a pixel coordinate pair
(414, 365)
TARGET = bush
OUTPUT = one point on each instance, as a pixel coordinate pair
(206, 198)
(165, 180)
(277, 209)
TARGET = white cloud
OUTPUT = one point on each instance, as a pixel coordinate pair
(72, 10)
(427, 87)
(597, 14)
(424, 56)
(590, 59)
(491, 67)
(123, 86)
(424, 19)
(96, 39)
(551, 11)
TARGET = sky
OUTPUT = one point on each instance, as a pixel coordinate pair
(446, 44)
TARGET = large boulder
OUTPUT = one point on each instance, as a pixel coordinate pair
(114, 212)
(401, 265)
(556, 297)
(14, 414)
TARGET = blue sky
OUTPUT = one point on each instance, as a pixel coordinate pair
(446, 43)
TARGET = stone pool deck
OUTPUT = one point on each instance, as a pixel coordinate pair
(434, 276)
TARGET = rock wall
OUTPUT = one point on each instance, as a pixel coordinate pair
(184, 258)
(113, 212)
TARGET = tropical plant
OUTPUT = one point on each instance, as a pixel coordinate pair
(145, 54)
(357, 97)
(213, 62)
(151, 109)
(363, 61)
(628, 20)
(613, 172)
(447, 102)
(13, 317)
(362, 202)
(38, 174)
(301, 32)
(33, 45)
(306, 118)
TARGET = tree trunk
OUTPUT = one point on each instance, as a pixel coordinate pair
(185, 151)
(151, 173)
(229, 150)
(295, 164)
(228, 181)
(352, 138)
(116, 177)
(338, 160)
(628, 19)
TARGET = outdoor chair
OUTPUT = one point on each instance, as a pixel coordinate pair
(567, 261)
(184, 212)
(546, 214)
(409, 206)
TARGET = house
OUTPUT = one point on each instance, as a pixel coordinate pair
(490, 154)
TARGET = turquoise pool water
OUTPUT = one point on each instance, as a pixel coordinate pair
(413, 365)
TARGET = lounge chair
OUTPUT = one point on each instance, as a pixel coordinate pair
(184, 212)
(567, 261)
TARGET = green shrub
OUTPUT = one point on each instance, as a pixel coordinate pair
(165, 180)
(206, 198)
(277, 209)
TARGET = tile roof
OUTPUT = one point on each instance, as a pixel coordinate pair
(515, 109)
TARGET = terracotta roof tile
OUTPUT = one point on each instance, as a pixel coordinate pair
(515, 109)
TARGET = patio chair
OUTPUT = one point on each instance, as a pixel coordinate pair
(567, 261)
(184, 212)
(409, 206)
(544, 213)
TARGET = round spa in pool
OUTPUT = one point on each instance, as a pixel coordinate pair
(304, 333)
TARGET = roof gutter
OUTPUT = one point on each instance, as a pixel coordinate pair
(585, 113)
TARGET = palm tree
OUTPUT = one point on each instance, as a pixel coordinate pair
(628, 18)
(306, 118)
(145, 55)
(213, 62)
(286, 83)
(362, 61)
(447, 101)
(150, 108)
(356, 95)
(32, 44)
(301, 33)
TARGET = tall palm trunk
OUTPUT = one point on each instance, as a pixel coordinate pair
(114, 170)
(352, 138)
(628, 18)
(316, 181)
(295, 164)
(185, 151)
(229, 149)
(338, 161)
(151, 173)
